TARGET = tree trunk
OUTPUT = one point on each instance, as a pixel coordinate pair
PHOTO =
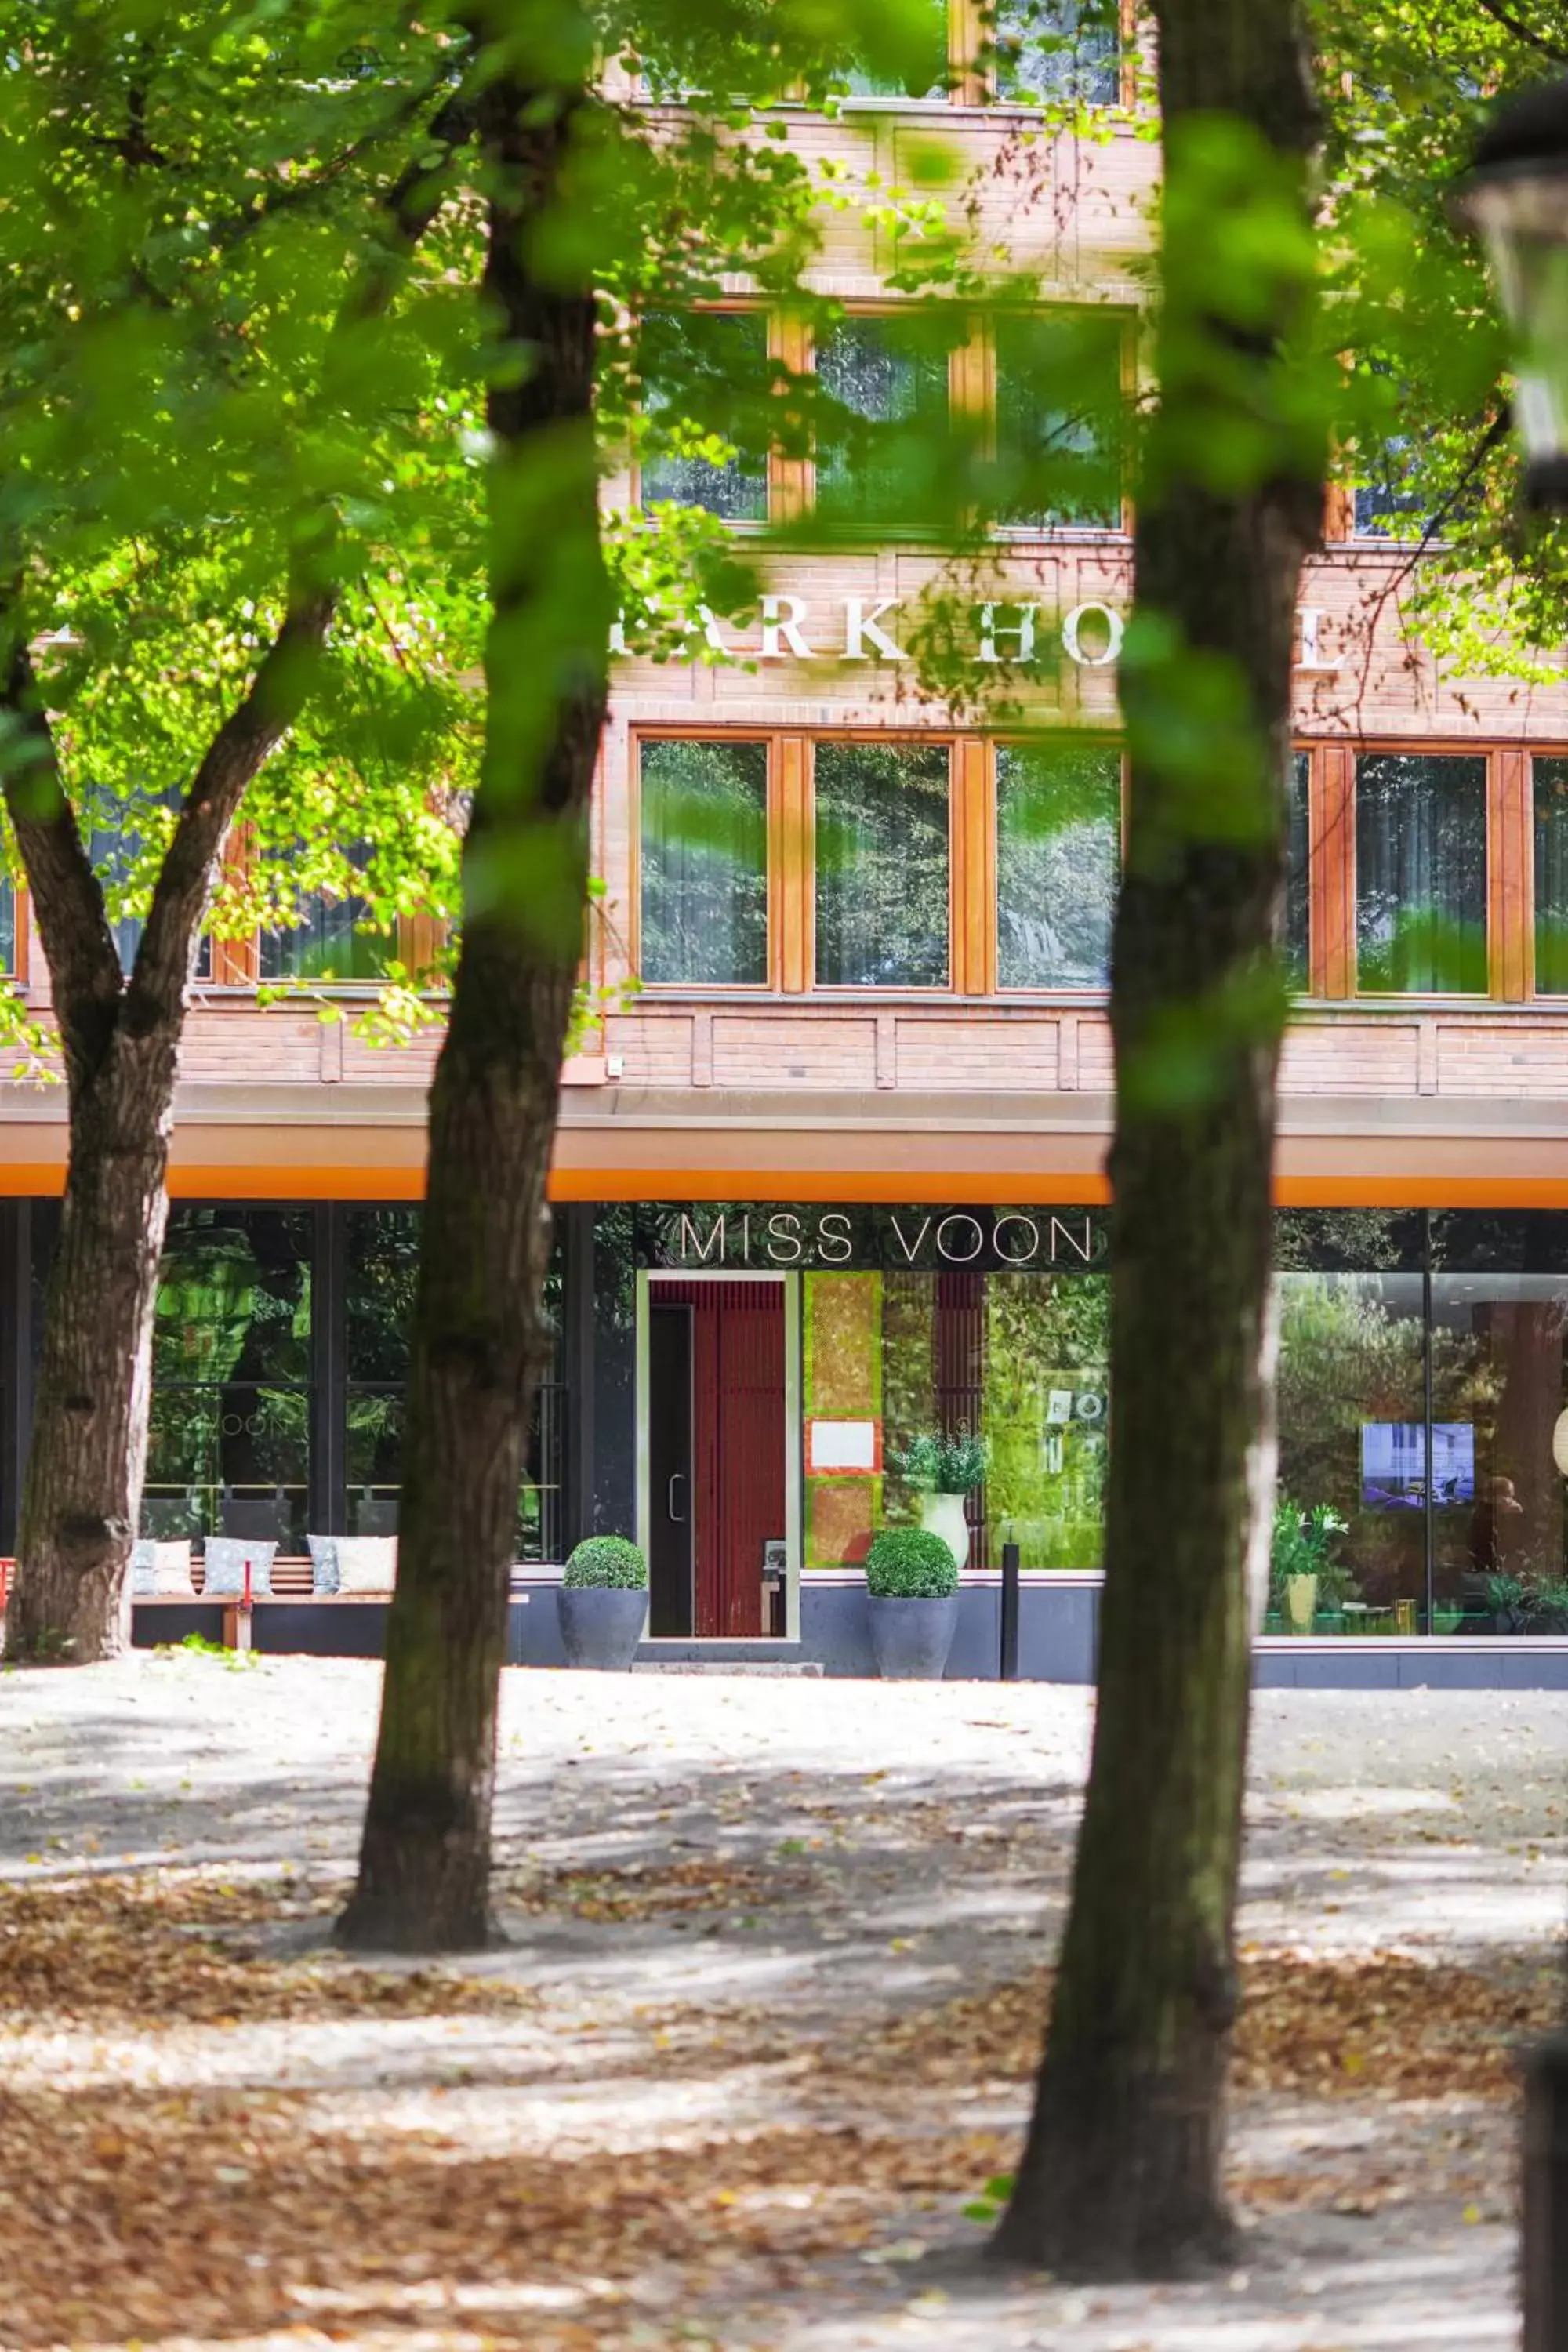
(1122, 2173)
(480, 1341)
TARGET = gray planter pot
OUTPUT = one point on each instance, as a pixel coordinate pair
(601, 1625)
(911, 1638)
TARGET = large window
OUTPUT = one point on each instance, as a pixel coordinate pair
(705, 390)
(703, 820)
(1060, 408)
(1059, 51)
(1421, 873)
(335, 939)
(1058, 841)
(1549, 784)
(881, 448)
(883, 862)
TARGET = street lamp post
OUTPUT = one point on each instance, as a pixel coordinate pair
(1516, 197)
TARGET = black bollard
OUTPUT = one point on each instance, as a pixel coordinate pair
(1010, 1612)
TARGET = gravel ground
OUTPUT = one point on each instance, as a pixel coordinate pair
(861, 1854)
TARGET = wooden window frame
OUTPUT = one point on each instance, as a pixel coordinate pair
(1105, 739)
(771, 738)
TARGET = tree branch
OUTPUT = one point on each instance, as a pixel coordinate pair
(1505, 17)
(68, 899)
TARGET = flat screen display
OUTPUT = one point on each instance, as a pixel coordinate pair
(1394, 1464)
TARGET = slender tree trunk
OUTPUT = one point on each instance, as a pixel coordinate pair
(1122, 2173)
(479, 1340)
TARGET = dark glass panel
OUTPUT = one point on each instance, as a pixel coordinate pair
(1550, 785)
(1297, 950)
(1058, 854)
(1501, 1562)
(704, 865)
(234, 1297)
(332, 941)
(882, 463)
(1060, 418)
(1421, 873)
(228, 1460)
(708, 368)
(381, 1276)
(881, 864)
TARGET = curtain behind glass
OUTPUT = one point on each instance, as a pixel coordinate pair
(712, 367)
(1058, 846)
(1060, 410)
(1069, 51)
(1549, 784)
(881, 864)
(704, 866)
(1421, 873)
(875, 465)
(1296, 946)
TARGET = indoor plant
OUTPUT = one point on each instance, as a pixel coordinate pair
(911, 1581)
(1303, 1575)
(603, 1603)
(943, 1466)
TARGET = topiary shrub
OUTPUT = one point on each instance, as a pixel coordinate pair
(607, 1562)
(909, 1564)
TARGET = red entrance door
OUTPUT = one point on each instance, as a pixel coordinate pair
(736, 1445)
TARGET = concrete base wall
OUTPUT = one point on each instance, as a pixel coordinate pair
(1057, 1640)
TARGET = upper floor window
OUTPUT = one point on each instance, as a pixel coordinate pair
(882, 863)
(1385, 506)
(1548, 794)
(335, 938)
(1421, 873)
(1058, 858)
(889, 371)
(703, 873)
(1058, 52)
(701, 370)
(114, 850)
(1060, 406)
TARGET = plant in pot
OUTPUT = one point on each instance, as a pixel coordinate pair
(943, 1466)
(603, 1603)
(911, 1581)
(1303, 1575)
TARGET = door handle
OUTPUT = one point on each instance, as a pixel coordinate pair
(678, 1517)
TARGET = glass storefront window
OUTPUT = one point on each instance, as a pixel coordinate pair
(1352, 1437)
(1499, 1541)
(1059, 409)
(1421, 873)
(882, 860)
(1297, 944)
(229, 1446)
(1548, 780)
(1066, 52)
(709, 366)
(703, 871)
(1020, 1359)
(1058, 854)
(888, 374)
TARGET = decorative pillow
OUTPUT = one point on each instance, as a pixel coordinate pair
(224, 1558)
(323, 1564)
(366, 1563)
(161, 1572)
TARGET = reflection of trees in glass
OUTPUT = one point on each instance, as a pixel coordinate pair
(1061, 417)
(1058, 820)
(709, 369)
(1067, 51)
(1550, 779)
(704, 864)
(331, 940)
(1421, 873)
(1047, 1348)
(1497, 1367)
(881, 864)
(880, 461)
(1353, 1351)
(1297, 942)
